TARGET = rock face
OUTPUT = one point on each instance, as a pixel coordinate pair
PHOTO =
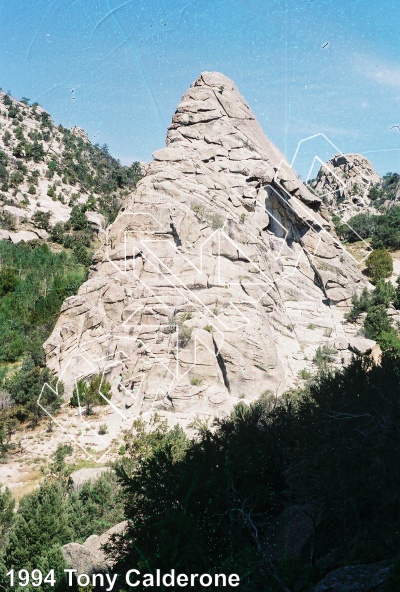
(78, 478)
(355, 578)
(344, 182)
(90, 558)
(218, 281)
(83, 559)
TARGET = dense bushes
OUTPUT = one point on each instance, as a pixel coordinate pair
(377, 324)
(386, 190)
(97, 391)
(33, 284)
(210, 506)
(329, 452)
(382, 229)
(51, 517)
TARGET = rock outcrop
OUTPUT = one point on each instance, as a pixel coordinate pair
(82, 476)
(89, 558)
(218, 281)
(343, 183)
(355, 578)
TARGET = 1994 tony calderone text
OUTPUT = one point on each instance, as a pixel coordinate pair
(133, 578)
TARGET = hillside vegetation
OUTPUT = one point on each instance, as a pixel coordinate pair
(324, 457)
(61, 189)
(47, 169)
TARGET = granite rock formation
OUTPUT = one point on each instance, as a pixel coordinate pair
(343, 183)
(219, 279)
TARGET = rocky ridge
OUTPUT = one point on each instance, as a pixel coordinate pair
(343, 184)
(218, 281)
(46, 169)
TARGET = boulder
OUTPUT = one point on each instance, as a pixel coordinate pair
(18, 214)
(90, 558)
(95, 543)
(344, 182)
(23, 235)
(96, 220)
(361, 346)
(84, 560)
(78, 478)
(341, 343)
(355, 578)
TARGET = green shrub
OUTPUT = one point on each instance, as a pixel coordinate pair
(196, 380)
(42, 219)
(8, 280)
(82, 255)
(91, 393)
(379, 265)
(184, 335)
(78, 219)
(28, 312)
(377, 322)
(28, 384)
(51, 192)
(324, 356)
(383, 293)
(57, 233)
(359, 227)
(16, 178)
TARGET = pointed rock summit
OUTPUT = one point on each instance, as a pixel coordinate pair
(219, 279)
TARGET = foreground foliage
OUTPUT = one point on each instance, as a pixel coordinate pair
(211, 505)
(327, 455)
(51, 517)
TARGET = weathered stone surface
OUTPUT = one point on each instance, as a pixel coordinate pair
(95, 543)
(355, 578)
(17, 214)
(341, 343)
(90, 558)
(78, 478)
(210, 280)
(361, 345)
(96, 219)
(23, 235)
(83, 559)
(344, 183)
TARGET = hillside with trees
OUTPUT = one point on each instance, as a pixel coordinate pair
(57, 191)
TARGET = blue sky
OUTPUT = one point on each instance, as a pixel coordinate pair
(118, 68)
